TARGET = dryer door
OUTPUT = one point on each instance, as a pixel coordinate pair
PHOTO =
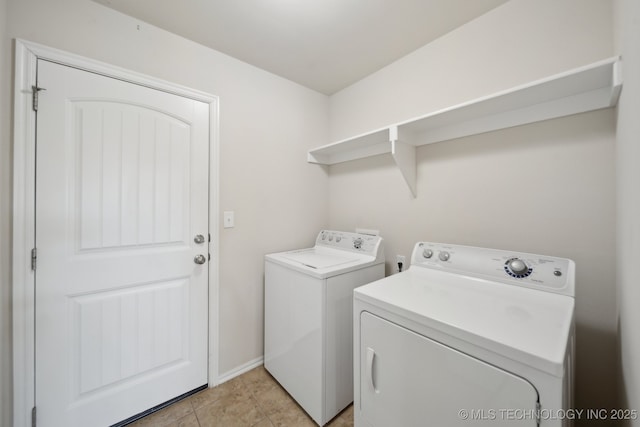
(409, 380)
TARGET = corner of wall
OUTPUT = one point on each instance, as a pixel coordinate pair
(627, 19)
(6, 383)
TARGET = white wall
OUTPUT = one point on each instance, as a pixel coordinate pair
(628, 219)
(266, 126)
(5, 208)
(566, 166)
(545, 188)
(516, 43)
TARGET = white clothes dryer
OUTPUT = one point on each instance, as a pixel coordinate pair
(466, 336)
(309, 317)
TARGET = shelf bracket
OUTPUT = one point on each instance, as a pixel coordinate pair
(404, 154)
(616, 82)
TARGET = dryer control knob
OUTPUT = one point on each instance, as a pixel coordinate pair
(427, 253)
(517, 266)
(444, 256)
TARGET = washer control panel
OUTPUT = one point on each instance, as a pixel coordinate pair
(540, 272)
(354, 242)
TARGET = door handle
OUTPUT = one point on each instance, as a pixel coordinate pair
(200, 259)
(371, 355)
(199, 238)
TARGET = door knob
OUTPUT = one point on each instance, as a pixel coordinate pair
(200, 259)
(199, 238)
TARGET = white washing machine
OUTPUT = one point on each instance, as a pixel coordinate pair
(466, 336)
(308, 341)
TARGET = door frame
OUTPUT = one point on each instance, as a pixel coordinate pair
(24, 169)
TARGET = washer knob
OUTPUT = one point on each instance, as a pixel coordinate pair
(444, 256)
(517, 266)
(357, 243)
(427, 253)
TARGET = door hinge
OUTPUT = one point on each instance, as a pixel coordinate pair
(34, 260)
(33, 417)
(35, 91)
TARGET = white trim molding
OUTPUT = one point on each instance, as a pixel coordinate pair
(24, 145)
(23, 236)
(245, 367)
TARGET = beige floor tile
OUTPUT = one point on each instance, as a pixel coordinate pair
(258, 380)
(166, 416)
(188, 421)
(264, 423)
(273, 399)
(291, 415)
(256, 374)
(291, 420)
(253, 399)
(230, 411)
(235, 387)
(205, 397)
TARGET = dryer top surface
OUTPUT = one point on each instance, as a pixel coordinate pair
(520, 323)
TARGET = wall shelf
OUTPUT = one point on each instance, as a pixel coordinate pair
(582, 89)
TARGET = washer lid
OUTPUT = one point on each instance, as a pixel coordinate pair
(322, 262)
(525, 325)
(315, 259)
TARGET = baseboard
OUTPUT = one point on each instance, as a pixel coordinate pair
(246, 367)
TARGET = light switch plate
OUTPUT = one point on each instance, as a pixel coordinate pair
(229, 221)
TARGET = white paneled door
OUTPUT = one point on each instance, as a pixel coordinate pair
(121, 193)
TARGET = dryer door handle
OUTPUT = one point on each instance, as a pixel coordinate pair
(371, 355)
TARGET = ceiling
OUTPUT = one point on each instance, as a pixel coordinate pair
(325, 45)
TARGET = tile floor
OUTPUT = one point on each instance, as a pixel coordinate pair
(253, 399)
